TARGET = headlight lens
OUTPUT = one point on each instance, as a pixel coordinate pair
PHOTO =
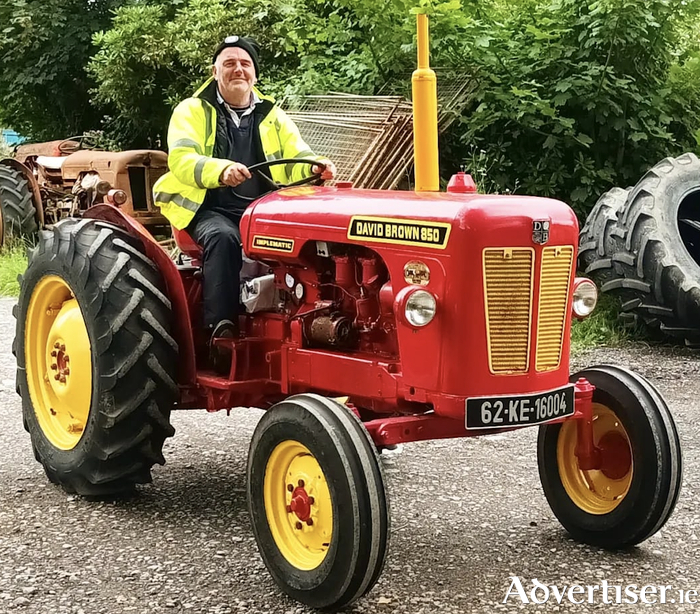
(585, 298)
(420, 308)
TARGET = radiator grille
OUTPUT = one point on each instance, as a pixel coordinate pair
(554, 295)
(508, 274)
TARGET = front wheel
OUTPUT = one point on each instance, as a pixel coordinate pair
(633, 492)
(317, 501)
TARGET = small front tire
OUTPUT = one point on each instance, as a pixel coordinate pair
(635, 490)
(317, 501)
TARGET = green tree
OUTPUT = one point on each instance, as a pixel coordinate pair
(575, 97)
(44, 50)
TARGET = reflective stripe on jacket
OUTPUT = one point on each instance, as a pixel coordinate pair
(193, 167)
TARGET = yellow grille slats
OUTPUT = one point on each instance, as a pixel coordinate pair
(555, 274)
(508, 274)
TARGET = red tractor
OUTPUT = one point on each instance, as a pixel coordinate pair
(382, 317)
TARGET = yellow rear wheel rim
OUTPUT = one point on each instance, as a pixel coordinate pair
(298, 505)
(58, 362)
(597, 491)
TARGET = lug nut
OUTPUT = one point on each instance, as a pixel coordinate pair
(66, 371)
(290, 488)
(57, 345)
(289, 509)
(54, 354)
(63, 348)
(310, 522)
(63, 379)
(66, 358)
(301, 483)
(57, 377)
(298, 525)
(54, 367)
(311, 500)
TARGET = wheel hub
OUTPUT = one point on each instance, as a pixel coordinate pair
(600, 490)
(298, 505)
(58, 361)
(301, 503)
(615, 455)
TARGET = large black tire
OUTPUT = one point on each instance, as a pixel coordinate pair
(17, 202)
(114, 294)
(636, 489)
(330, 551)
(595, 242)
(657, 251)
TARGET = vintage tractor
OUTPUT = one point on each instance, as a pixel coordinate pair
(47, 182)
(381, 317)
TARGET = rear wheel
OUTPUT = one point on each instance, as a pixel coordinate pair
(17, 204)
(633, 492)
(317, 501)
(95, 358)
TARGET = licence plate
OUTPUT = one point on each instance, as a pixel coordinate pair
(519, 410)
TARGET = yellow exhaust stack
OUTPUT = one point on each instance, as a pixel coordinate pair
(425, 134)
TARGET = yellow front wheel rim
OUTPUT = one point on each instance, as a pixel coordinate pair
(58, 362)
(597, 491)
(298, 505)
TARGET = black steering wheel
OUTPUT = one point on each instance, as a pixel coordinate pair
(274, 186)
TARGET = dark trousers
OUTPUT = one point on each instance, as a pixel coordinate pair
(220, 239)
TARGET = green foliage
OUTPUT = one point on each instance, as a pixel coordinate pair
(13, 262)
(601, 328)
(571, 98)
(44, 49)
(578, 97)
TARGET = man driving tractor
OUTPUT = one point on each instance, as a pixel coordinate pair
(213, 137)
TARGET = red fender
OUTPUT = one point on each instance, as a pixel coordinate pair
(33, 186)
(187, 369)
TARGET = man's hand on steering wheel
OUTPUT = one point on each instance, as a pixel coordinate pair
(234, 174)
(321, 170)
(326, 173)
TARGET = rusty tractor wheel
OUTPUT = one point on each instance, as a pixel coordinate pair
(317, 501)
(95, 358)
(17, 203)
(631, 496)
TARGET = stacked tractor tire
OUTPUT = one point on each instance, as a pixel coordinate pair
(17, 210)
(642, 245)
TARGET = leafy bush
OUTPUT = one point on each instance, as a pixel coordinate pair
(575, 97)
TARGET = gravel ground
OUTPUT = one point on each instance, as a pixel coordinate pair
(467, 515)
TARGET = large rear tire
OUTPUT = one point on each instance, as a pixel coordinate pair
(657, 255)
(633, 493)
(17, 203)
(596, 245)
(95, 358)
(317, 501)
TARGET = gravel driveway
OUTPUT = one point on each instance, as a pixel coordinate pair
(467, 515)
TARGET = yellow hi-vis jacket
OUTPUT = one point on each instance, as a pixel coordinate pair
(193, 167)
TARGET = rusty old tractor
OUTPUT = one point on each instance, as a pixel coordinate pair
(380, 317)
(47, 182)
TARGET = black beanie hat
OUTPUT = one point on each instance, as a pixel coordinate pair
(247, 44)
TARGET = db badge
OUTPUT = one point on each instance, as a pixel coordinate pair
(540, 231)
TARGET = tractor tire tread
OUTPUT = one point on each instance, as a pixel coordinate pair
(121, 297)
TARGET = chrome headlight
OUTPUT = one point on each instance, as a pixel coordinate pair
(420, 308)
(585, 297)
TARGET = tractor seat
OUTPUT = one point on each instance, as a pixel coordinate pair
(187, 244)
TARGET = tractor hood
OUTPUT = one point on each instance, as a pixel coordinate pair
(282, 222)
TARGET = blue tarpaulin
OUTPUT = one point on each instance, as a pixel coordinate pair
(10, 137)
